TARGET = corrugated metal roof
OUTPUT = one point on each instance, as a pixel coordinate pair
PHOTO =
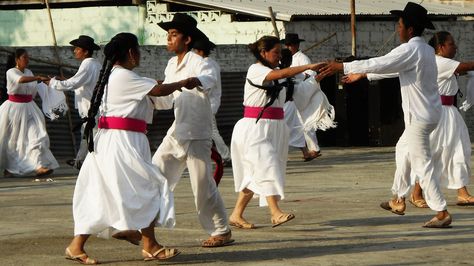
(289, 9)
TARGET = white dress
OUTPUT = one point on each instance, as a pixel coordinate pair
(259, 150)
(450, 141)
(24, 142)
(118, 187)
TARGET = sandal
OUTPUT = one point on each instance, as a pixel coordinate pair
(168, 254)
(283, 218)
(42, 171)
(419, 203)
(393, 206)
(132, 236)
(218, 241)
(312, 156)
(242, 225)
(81, 258)
(469, 201)
(436, 223)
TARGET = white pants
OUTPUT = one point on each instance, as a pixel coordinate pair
(222, 148)
(173, 157)
(82, 152)
(415, 139)
(311, 140)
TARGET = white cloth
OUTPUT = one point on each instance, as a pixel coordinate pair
(24, 142)
(469, 92)
(53, 102)
(293, 121)
(118, 187)
(221, 147)
(188, 141)
(215, 93)
(83, 83)
(299, 59)
(259, 150)
(415, 62)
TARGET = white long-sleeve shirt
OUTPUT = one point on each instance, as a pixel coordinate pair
(216, 92)
(83, 83)
(192, 108)
(416, 65)
(300, 59)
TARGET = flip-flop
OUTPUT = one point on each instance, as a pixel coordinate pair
(218, 241)
(436, 223)
(386, 206)
(169, 253)
(469, 201)
(285, 217)
(81, 258)
(243, 225)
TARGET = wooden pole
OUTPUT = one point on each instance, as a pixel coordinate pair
(272, 16)
(353, 28)
(73, 138)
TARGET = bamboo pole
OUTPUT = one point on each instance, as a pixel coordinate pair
(272, 17)
(353, 28)
(320, 42)
(73, 138)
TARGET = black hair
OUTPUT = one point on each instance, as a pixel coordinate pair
(417, 29)
(115, 51)
(265, 43)
(439, 38)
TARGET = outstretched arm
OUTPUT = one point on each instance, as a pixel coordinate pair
(291, 71)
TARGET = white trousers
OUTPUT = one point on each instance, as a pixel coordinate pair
(222, 148)
(173, 157)
(419, 159)
(82, 152)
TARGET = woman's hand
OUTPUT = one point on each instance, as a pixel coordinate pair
(317, 66)
(350, 78)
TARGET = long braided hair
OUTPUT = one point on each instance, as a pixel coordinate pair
(266, 43)
(116, 51)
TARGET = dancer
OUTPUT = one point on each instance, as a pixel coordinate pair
(118, 187)
(188, 141)
(24, 142)
(259, 145)
(82, 83)
(413, 60)
(450, 140)
(305, 140)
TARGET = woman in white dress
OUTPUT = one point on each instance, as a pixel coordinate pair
(450, 140)
(24, 142)
(118, 188)
(259, 146)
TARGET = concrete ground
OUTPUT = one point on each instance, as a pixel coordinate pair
(335, 199)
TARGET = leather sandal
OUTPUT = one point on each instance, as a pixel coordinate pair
(283, 218)
(81, 258)
(393, 206)
(242, 225)
(218, 241)
(419, 203)
(167, 253)
(469, 201)
(436, 223)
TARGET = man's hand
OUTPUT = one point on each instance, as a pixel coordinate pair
(350, 78)
(191, 83)
(329, 69)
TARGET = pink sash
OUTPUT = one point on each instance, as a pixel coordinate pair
(276, 113)
(20, 98)
(123, 123)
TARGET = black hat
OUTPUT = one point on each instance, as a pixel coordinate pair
(291, 38)
(85, 42)
(204, 44)
(185, 24)
(416, 14)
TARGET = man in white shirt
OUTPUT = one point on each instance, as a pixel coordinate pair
(82, 83)
(203, 48)
(188, 141)
(414, 61)
(309, 142)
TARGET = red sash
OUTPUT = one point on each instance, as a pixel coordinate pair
(123, 123)
(20, 98)
(276, 113)
(447, 100)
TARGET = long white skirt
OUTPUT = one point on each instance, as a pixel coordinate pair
(259, 155)
(450, 144)
(118, 188)
(24, 142)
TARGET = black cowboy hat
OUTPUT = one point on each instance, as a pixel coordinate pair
(291, 38)
(85, 42)
(204, 44)
(416, 14)
(185, 24)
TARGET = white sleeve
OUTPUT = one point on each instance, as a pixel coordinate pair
(446, 67)
(206, 75)
(372, 76)
(257, 73)
(82, 76)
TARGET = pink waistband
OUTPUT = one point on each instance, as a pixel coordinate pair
(276, 113)
(123, 123)
(447, 100)
(20, 98)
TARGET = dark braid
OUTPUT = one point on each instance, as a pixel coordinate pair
(116, 51)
